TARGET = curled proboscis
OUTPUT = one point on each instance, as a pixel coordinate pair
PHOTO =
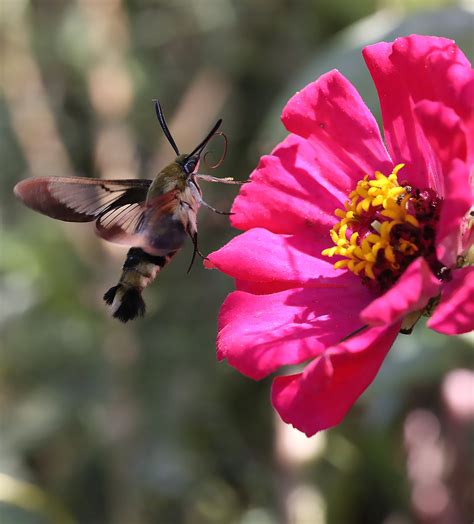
(222, 158)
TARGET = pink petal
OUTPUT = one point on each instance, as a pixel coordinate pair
(456, 205)
(345, 136)
(444, 131)
(406, 72)
(457, 89)
(262, 256)
(259, 333)
(435, 69)
(288, 193)
(344, 279)
(260, 288)
(410, 293)
(455, 313)
(404, 135)
(452, 77)
(320, 397)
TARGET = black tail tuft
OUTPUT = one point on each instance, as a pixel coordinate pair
(110, 295)
(130, 302)
(131, 306)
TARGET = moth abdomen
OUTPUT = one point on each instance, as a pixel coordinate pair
(138, 272)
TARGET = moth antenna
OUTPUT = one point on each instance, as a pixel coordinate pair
(202, 145)
(164, 126)
(224, 154)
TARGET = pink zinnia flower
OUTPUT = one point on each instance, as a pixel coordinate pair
(395, 218)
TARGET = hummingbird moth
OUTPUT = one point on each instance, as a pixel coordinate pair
(152, 217)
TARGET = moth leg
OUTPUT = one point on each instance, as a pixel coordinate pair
(353, 333)
(194, 238)
(408, 323)
(216, 210)
(227, 180)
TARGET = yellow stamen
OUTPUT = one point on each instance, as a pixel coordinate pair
(384, 203)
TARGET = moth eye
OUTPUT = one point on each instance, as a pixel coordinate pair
(190, 166)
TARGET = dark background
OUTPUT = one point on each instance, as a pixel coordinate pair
(138, 424)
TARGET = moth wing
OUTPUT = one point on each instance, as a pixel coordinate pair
(78, 199)
(156, 226)
(119, 208)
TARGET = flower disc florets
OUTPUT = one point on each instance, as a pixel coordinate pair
(384, 227)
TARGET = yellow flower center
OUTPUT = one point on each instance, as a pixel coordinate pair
(380, 232)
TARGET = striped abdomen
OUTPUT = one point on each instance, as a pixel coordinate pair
(138, 272)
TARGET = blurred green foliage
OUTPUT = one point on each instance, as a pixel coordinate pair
(139, 423)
